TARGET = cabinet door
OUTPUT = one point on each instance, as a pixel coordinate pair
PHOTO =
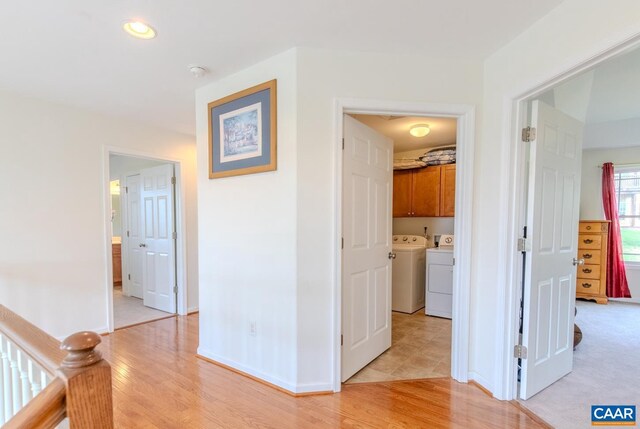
(426, 192)
(402, 180)
(448, 189)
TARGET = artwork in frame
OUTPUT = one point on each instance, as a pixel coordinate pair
(242, 132)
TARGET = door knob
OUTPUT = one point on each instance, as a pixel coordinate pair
(578, 261)
(142, 245)
(392, 255)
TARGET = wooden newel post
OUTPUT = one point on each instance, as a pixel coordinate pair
(88, 383)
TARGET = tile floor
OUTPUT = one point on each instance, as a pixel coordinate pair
(420, 348)
(128, 310)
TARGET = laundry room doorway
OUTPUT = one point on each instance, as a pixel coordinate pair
(399, 198)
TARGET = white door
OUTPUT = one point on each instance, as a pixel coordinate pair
(132, 278)
(158, 244)
(366, 267)
(550, 276)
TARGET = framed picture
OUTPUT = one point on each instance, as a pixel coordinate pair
(242, 132)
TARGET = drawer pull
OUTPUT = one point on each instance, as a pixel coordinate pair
(587, 241)
(588, 227)
(586, 285)
(587, 256)
(586, 270)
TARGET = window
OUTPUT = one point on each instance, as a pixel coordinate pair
(627, 184)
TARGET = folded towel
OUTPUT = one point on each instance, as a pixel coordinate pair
(407, 164)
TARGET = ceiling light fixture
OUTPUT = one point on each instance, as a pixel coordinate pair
(139, 29)
(420, 130)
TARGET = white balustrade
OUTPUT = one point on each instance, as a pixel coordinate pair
(21, 379)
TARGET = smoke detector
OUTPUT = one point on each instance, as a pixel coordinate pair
(197, 71)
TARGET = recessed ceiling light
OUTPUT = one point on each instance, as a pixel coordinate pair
(419, 130)
(139, 29)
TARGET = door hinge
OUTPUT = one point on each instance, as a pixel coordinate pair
(127, 233)
(342, 143)
(175, 289)
(341, 340)
(173, 180)
(129, 276)
(175, 235)
(528, 134)
(520, 351)
(342, 245)
(524, 245)
(126, 189)
(454, 262)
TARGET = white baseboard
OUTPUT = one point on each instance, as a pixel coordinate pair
(193, 309)
(314, 388)
(481, 381)
(248, 370)
(626, 300)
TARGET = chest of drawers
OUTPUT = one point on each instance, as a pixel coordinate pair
(591, 280)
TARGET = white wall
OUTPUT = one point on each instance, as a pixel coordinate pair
(591, 197)
(323, 77)
(266, 252)
(247, 227)
(119, 165)
(613, 134)
(54, 237)
(415, 225)
(574, 32)
(409, 154)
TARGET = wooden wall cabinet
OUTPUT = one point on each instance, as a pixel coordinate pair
(448, 190)
(591, 280)
(116, 254)
(425, 192)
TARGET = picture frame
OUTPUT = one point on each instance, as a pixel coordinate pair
(243, 132)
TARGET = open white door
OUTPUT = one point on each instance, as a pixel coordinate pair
(366, 264)
(132, 279)
(158, 243)
(550, 275)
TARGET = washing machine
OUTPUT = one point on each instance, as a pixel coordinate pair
(439, 279)
(407, 281)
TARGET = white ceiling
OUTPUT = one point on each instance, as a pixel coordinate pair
(443, 130)
(607, 99)
(74, 51)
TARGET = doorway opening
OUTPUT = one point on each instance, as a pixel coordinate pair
(143, 231)
(598, 108)
(422, 345)
(422, 239)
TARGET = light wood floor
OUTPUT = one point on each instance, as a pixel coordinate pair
(159, 383)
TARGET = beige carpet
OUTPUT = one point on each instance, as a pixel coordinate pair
(605, 367)
(128, 310)
(420, 348)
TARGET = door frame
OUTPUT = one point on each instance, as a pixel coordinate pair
(180, 221)
(510, 293)
(465, 115)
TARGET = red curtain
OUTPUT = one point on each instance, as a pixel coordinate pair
(617, 286)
